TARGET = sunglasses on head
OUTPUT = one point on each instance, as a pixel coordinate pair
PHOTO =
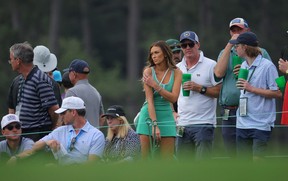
(184, 45)
(11, 127)
(72, 144)
(172, 47)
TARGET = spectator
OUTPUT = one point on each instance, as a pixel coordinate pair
(78, 75)
(122, 142)
(176, 50)
(257, 106)
(47, 62)
(14, 142)
(66, 83)
(162, 81)
(76, 142)
(229, 94)
(197, 112)
(57, 77)
(177, 57)
(35, 100)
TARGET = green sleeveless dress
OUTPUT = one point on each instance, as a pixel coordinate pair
(164, 114)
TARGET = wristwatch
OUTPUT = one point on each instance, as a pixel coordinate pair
(203, 90)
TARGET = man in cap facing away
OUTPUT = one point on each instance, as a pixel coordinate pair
(78, 75)
(75, 142)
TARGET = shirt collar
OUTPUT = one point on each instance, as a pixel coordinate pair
(85, 128)
(255, 63)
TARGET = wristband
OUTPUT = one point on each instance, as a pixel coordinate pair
(154, 123)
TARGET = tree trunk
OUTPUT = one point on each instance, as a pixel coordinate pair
(133, 64)
(15, 16)
(86, 29)
(205, 17)
(54, 26)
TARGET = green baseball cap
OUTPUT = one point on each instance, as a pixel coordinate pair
(174, 44)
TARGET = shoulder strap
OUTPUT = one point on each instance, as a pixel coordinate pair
(164, 76)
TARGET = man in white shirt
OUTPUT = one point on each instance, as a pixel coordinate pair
(197, 112)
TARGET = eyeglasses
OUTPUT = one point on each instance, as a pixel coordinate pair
(184, 45)
(72, 144)
(173, 47)
(11, 127)
(176, 52)
(236, 45)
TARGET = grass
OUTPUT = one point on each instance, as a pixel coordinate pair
(217, 169)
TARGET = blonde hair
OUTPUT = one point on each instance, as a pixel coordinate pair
(123, 129)
(252, 51)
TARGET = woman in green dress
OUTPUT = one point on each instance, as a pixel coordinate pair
(162, 82)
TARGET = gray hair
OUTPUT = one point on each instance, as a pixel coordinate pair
(23, 51)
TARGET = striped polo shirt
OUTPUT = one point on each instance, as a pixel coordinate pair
(36, 97)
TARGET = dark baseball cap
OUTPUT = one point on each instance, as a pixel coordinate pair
(79, 66)
(247, 38)
(173, 44)
(114, 111)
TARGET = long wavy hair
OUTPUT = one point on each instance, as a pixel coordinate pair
(168, 55)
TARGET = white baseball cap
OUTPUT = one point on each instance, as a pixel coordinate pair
(71, 103)
(45, 60)
(9, 118)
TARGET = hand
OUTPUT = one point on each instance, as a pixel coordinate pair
(243, 85)
(12, 161)
(236, 69)
(156, 130)
(176, 116)
(283, 65)
(54, 145)
(147, 79)
(190, 85)
(234, 36)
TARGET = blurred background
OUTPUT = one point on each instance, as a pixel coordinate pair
(114, 37)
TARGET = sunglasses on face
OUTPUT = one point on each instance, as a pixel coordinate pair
(184, 45)
(11, 127)
(72, 144)
(172, 47)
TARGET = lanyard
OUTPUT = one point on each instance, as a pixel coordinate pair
(20, 88)
(250, 77)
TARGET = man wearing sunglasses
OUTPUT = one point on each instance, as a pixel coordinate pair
(229, 94)
(14, 142)
(197, 112)
(76, 142)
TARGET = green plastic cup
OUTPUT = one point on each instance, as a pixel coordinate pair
(236, 60)
(243, 73)
(185, 78)
(281, 82)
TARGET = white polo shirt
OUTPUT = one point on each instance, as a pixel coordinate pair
(198, 108)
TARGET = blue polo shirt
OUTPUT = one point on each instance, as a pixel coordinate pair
(229, 94)
(261, 111)
(89, 141)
